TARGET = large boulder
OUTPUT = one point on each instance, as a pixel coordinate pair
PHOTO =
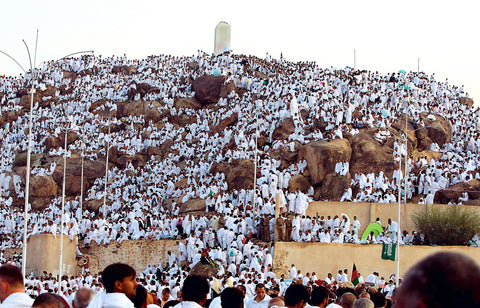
(124, 69)
(143, 88)
(99, 107)
(92, 169)
(369, 155)
(466, 101)
(205, 271)
(207, 89)
(472, 187)
(148, 109)
(238, 174)
(285, 129)
(187, 102)
(94, 205)
(42, 96)
(21, 159)
(322, 156)
(228, 88)
(137, 160)
(224, 123)
(43, 186)
(193, 206)
(332, 187)
(180, 119)
(298, 182)
(439, 128)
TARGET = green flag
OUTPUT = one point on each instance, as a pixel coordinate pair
(388, 251)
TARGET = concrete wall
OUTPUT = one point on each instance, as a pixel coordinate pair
(43, 252)
(135, 253)
(329, 258)
(368, 212)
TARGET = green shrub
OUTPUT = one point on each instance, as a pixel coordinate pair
(450, 225)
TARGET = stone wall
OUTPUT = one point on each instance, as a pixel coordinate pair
(43, 254)
(135, 253)
(323, 258)
(368, 212)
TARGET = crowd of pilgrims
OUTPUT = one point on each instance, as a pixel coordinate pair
(139, 199)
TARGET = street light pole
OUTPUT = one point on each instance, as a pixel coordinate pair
(106, 173)
(81, 183)
(60, 261)
(29, 147)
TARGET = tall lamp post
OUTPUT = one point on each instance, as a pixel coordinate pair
(33, 73)
(29, 147)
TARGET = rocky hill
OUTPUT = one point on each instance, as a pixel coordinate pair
(191, 123)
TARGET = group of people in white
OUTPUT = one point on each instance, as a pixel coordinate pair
(143, 202)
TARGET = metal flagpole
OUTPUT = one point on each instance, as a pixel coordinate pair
(60, 262)
(255, 162)
(106, 173)
(29, 143)
(81, 184)
(354, 59)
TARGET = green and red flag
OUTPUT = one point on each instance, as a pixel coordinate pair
(355, 275)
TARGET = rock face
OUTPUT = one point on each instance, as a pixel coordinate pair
(322, 156)
(187, 102)
(193, 206)
(454, 192)
(239, 174)
(43, 97)
(207, 89)
(439, 129)
(205, 271)
(149, 109)
(42, 186)
(466, 101)
(91, 171)
(229, 121)
(124, 69)
(298, 182)
(285, 129)
(368, 155)
(332, 187)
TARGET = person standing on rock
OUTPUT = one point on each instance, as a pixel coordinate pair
(288, 229)
(280, 228)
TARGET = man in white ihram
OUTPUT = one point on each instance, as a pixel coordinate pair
(12, 290)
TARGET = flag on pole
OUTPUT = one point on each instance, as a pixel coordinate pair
(388, 251)
(355, 275)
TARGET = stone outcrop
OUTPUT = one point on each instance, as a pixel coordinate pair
(439, 129)
(369, 155)
(205, 271)
(224, 123)
(298, 182)
(43, 187)
(193, 206)
(207, 89)
(187, 102)
(124, 69)
(285, 129)
(454, 192)
(239, 174)
(322, 156)
(332, 187)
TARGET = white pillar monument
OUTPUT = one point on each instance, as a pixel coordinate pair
(222, 37)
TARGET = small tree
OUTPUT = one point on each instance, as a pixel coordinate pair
(450, 225)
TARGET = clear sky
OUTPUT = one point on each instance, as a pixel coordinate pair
(388, 35)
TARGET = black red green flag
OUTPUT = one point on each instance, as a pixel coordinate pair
(355, 275)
